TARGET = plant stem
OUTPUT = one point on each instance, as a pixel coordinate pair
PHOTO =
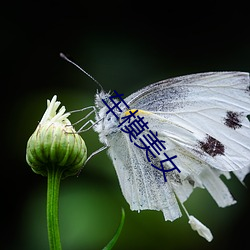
(54, 177)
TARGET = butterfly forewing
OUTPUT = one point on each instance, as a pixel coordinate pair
(211, 108)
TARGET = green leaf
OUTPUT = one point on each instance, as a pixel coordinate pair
(117, 234)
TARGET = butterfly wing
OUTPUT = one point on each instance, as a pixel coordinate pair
(142, 185)
(212, 106)
(202, 120)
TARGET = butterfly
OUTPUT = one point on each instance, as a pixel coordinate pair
(202, 120)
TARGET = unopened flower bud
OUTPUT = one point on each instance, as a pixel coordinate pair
(55, 143)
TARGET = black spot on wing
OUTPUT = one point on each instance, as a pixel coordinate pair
(190, 181)
(233, 119)
(212, 146)
(248, 117)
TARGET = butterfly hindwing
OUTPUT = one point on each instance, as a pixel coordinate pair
(142, 185)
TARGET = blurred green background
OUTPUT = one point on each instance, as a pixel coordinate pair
(125, 47)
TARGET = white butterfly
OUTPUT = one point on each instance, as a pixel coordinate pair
(202, 119)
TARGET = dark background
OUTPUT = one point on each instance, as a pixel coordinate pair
(125, 45)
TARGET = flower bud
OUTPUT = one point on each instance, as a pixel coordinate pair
(55, 144)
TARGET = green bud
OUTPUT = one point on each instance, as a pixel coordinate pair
(55, 144)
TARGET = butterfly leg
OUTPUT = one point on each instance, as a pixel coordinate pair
(95, 152)
(92, 154)
(81, 129)
(86, 116)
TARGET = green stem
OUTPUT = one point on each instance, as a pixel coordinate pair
(54, 177)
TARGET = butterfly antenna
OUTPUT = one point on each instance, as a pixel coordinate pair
(86, 73)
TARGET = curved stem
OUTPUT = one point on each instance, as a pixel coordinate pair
(117, 234)
(54, 177)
